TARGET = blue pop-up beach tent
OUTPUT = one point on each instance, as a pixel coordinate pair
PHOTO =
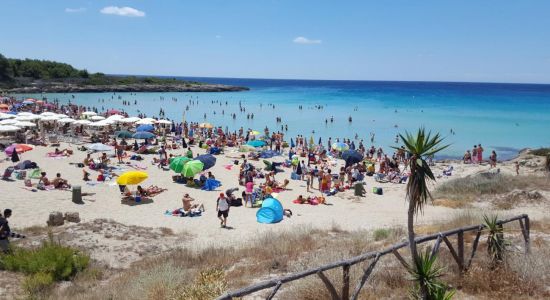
(271, 211)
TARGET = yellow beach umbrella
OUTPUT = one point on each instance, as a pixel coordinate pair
(132, 178)
(255, 132)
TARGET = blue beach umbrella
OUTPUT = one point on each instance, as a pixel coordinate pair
(292, 145)
(351, 157)
(145, 127)
(256, 143)
(142, 135)
(207, 159)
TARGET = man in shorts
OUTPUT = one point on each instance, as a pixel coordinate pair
(222, 206)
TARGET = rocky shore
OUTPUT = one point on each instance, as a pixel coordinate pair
(134, 88)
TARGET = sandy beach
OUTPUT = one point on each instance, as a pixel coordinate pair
(344, 210)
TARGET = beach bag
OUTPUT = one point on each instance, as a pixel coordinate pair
(377, 190)
(8, 172)
(21, 175)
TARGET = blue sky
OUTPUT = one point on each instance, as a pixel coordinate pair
(468, 40)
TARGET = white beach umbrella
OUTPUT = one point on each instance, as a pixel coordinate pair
(62, 116)
(9, 128)
(115, 117)
(49, 118)
(82, 122)
(97, 118)
(6, 116)
(24, 124)
(102, 123)
(130, 120)
(89, 113)
(145, 121)
(164, 122)
(27, 118)
(8, 122)
(47, 114)
(25, 113)
(66, 120)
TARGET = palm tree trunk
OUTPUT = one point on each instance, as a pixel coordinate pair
(413, 248)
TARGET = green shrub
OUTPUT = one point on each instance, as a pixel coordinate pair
(44, 265)
(541, 152)
(381, 234)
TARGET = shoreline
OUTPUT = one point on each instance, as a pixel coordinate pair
(121, 88)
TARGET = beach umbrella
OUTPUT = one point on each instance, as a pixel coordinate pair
(62, 116)
(9, 128)
(206, 125)
(115, 117)
(340, 146)
(25, 113)
(142, 135)
(29, 117)
(255, 132)
(207, 159)
(320, 141)
(113, 111)
(27, 102)
(164, 122)
(311, 142)
(256, 143)
(82, 122)
(132, 178)
(99, 147)
(192, 168)
(177, 163)
(49, 118)
(101, 123)
(351, 157)
(146, 121)
(292, 145)
(6, 116)
(145, 127)
(123, 134)
(19, 148)
(24, 124)
(97, 118)
(8, 122)
(129, 120)
(47, 114)
(4, 106)
(89, 113)
(66, 120)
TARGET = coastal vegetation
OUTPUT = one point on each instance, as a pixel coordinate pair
(49, 263)
(33, 75)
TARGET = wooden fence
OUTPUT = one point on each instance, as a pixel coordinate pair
(457, 253)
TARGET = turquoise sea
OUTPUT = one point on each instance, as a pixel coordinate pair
(502, 117)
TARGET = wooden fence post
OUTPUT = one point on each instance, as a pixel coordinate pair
(460, 250)
(345, 282)
(328, 284)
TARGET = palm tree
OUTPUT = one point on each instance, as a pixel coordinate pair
(420, 146)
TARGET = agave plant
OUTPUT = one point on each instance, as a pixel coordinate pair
(426, 273)
(496, 244)
(420, 146)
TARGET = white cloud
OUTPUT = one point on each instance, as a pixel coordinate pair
(75, 10)
(305, 41)
(122, 11)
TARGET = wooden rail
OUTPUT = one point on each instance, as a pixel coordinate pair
(458, 256)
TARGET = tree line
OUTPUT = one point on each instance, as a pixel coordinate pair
(11, 68)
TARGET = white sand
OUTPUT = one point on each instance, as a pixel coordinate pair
(346, 211)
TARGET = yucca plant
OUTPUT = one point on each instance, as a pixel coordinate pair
(420, 146)
(496, 244)
(426, 273)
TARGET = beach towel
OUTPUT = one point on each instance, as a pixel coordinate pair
(228, 167)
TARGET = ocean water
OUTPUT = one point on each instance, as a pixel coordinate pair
(502, 117)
